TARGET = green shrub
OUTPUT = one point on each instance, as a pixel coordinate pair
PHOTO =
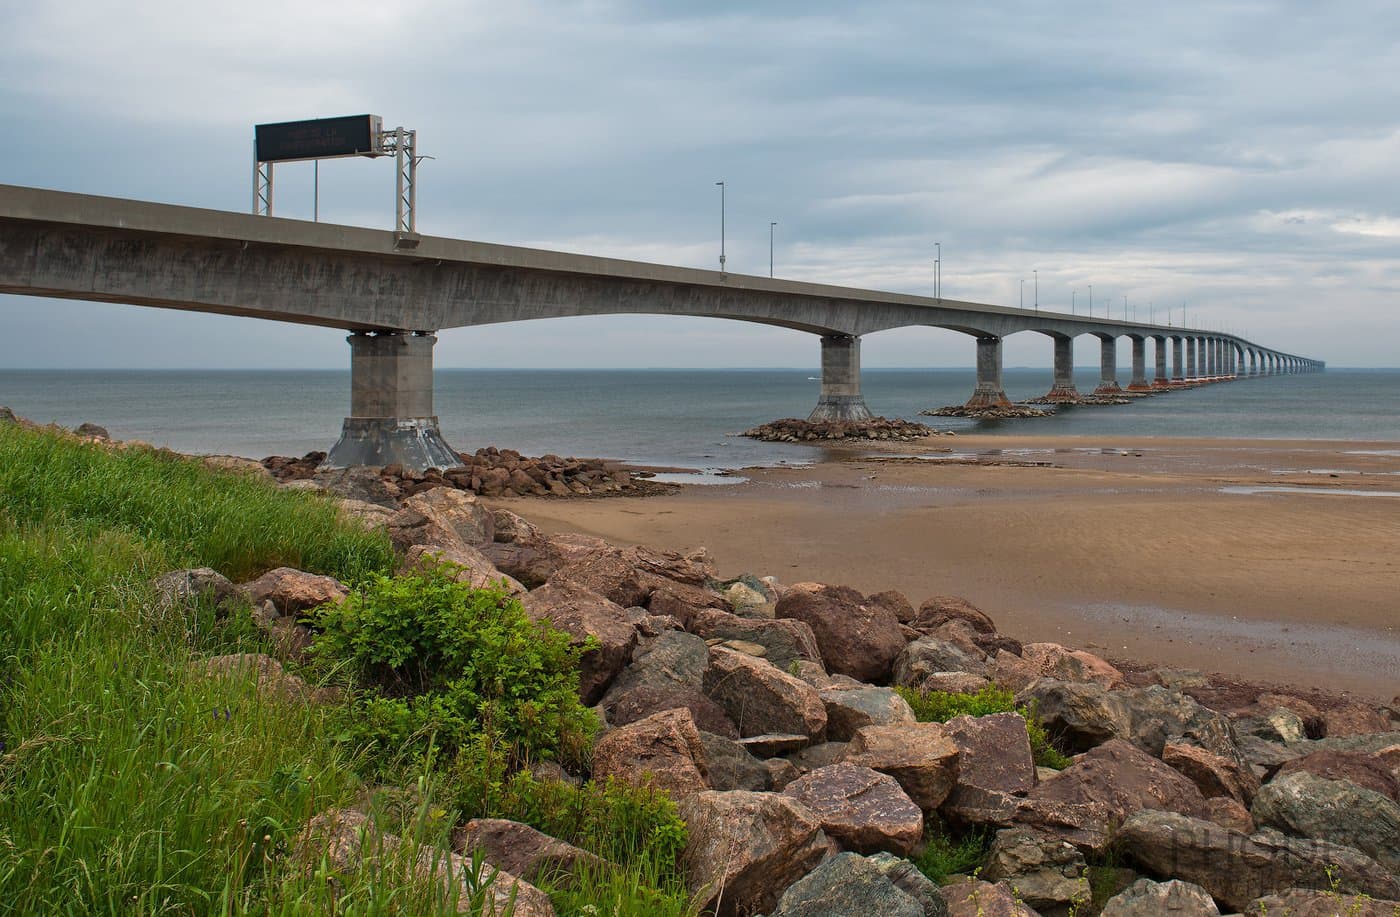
(443, 661)
(944, 856)
(941, 706)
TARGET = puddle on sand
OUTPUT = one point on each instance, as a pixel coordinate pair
(1250, 489)
(697, 477)
(1392, 453)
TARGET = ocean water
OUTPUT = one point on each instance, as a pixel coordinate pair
(681, 418)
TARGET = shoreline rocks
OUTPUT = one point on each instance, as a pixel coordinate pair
(794, 430)
(1008, 412)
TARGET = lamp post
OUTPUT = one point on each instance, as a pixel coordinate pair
(721, 226)
(938, 271)
(1091, 300)
(771, 224)
(1037, 289)
(1073, 294)
(1023, 293)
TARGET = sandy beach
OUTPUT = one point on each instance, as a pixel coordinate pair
(1273, 561)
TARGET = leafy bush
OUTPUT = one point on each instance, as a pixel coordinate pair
(443, 661)
(941, 706)
(944, 856)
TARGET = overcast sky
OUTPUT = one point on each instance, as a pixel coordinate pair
(1240, 158)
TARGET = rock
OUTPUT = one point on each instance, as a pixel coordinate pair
(895, 603)
(1366, 770)
(781, 772)
(1080, 715)
(508, 528)
(864, 810)
(845, 885)
(1159, 715)
(8, 416)
(941, 609)
(442, 517)
(272, 681)
(975, 898)
(1180, 679)
(93, 431)
(349, 842)
(1102, 788)
(1277, 725)
(237, 465)
(745, 849)
(293, 591)
(1229, 813)
(583, 614)
(855, 638)
(786, 640)
(179, 589)
(849, 709)
(521, 850)
(674, 660)
(368, 516)
(921, 756)
(741, 597)
(1308, 806)
(475, 570)
(633, 704)
(1046, 872)
(1235, 868)
(357, 483)
(729, 765)
(954, 682)
(531, 564)
(1307, 902)
(929, 656)
(774, 743)
(681, 601)
(1055, 661)
(1010, 672)
(820, 755)
(1314, 723)
(1353, 719)
(664, 749)
(1213, 774)
(762, 699)
(907, 877)
(995, 764)
(1173, 898)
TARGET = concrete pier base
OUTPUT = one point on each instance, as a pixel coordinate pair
(1178, 374)
(988, 393)
(391, 405)
(1108, 366)
(840, 397)
(1160, 379)
(1062, 389)
(1139, 381)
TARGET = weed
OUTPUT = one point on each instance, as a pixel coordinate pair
(941, 706)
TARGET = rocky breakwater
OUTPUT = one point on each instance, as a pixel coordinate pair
(1003, 412)
(818, 740)
(793, 430)
(489, 472)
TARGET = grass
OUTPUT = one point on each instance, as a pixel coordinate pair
(941, 706)
(944, 857)
(131, 783)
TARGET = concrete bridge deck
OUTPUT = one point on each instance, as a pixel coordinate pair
(393, 293)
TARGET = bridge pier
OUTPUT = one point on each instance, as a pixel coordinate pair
(391, 405)
(1062, 389)
(1177, 373)
(1139, 381)
(1108, 366)
(1160, 379)
(840, 398)
(988, 393)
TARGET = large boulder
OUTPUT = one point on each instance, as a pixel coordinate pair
(1307, 902)
(675, 659)
(1102, 788)
(1214, 775)
(1353, 719)
(1235, 868)
(856, 638)
(845, 885)
(849, 709)
(293, 591)
(349, 842)
(583, 614)
(358, 482)
(664, 750)
(907, 877)
(181, 588)
(921, 756)
(863, 809)
(1047, 872)
(443, 517)
(975, 898)
(929, 656)
(941, 609)
(745, 849)
(1368, 770)
(1052, 660)
(1080, 715)
(522, 850)
(785, 640)
(729, 765)
(762, 699)
(995, 765)
(1306, 805)
(1173, 898)
(472, 567)
(267, 673)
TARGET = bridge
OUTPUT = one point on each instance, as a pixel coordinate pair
(393, 292)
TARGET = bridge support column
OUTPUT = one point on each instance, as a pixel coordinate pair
(840, 398)
(1108, 366)
(1139, 381)
(1191, 358)
(1062, 390)
(1178, 355)
(988, 393)
(391, 405)
(1160, 379)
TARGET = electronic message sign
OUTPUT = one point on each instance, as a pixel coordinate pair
(321, 138)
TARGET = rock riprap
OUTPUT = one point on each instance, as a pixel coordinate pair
(793, 430)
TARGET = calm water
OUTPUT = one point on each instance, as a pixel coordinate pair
(666, 417)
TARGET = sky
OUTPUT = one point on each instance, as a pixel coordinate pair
(1239, 161)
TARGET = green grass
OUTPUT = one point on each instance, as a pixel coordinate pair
(944, 856)
(129, 782)
(941, 706)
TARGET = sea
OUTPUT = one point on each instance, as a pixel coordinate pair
(682, 418)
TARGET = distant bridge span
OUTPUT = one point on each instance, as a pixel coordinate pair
(393, 294)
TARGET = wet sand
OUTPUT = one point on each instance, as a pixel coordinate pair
(1263, 560)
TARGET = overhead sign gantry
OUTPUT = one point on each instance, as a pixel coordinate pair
(340, 138)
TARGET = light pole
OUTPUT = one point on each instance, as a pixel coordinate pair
(1125, 308)
(1091, 300)
(938, 271)
(1072, 295)
(721, 226)
(1037, 289)
(771, 224)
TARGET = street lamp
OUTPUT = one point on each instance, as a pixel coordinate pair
(1091, 300)
(938, 271)
(721, 226)
(1023, 293)
(1037, 289)
(771, 224)
(1072, 295)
